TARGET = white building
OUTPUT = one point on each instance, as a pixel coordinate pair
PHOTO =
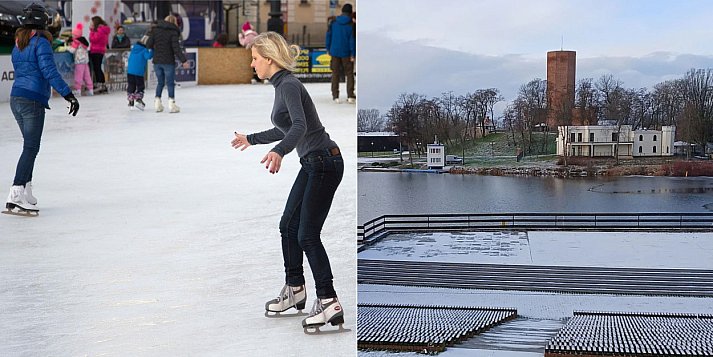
(603, 141)
(436, 156)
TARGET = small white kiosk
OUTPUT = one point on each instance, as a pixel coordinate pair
(436, 157)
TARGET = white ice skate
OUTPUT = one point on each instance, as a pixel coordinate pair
(158, 105)
(139, 104)
(17, 203)
(290, 296)
(28, 194)
(324, 311)
(172, 107)
(351, 100)
(336, 101)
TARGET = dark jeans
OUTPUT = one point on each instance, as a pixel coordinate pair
(135, 86)
(301, 224)
(165, 74)
(337, 65)
(95, 60)
(30, 117)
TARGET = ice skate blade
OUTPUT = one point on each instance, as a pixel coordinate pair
(314, 330)
(21, 212)
(277, 315)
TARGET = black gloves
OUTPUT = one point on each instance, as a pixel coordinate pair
(73, 104)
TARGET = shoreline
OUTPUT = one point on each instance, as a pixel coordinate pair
(570, 171)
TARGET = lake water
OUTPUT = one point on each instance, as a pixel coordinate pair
(398, 193)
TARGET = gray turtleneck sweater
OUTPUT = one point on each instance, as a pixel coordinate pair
(295, 118)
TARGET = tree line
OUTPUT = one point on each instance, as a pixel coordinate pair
(686, 102)
(453, 119)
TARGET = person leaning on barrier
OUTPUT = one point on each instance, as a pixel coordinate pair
(120, 40)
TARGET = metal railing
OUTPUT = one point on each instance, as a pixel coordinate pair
(682, 222)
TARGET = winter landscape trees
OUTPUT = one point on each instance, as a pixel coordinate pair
(686, 102)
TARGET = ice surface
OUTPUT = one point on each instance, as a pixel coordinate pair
(155, 237)
(595, 249)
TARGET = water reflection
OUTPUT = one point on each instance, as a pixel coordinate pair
(395, 193)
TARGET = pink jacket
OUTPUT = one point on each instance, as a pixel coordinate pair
(99, 39)
(246, 38)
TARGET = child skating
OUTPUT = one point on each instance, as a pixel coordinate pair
(135, 73)
(80, 49)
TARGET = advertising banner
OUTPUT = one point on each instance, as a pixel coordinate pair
(7, 77)
(313, 65)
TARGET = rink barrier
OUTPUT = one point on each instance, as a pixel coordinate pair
(375, 229)
(423, 328)
(595, 333)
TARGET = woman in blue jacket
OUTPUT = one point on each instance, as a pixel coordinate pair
(35, 72)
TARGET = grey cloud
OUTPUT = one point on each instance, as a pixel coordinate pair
(387, 68)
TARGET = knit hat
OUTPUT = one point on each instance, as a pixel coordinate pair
(78, 30)
(247, 26)
(83, 41)
(347, 9)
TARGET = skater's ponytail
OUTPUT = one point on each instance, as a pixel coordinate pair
(273, 46)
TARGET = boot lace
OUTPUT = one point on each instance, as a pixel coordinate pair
(286, 294)
(317, 308)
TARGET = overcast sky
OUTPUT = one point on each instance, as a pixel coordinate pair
(436, 46)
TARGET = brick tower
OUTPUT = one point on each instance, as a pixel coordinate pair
(561, 67)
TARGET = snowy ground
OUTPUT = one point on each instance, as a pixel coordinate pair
(155, 237)
(536, 305)
(596, 249)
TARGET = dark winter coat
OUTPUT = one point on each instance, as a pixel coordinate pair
(35, 71)
(165, 45)
(125, 42)
(340, 37)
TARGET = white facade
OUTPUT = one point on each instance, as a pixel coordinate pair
(436, 156)
(606, 140)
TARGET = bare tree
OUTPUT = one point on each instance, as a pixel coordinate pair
(587, 101)
(369, 120)
(404, 119)
(698, 110)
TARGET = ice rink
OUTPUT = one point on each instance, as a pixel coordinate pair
(156, 238)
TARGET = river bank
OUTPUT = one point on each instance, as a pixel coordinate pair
(578, 167)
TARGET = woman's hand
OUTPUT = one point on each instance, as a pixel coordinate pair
(240, 142)
(272, 162)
